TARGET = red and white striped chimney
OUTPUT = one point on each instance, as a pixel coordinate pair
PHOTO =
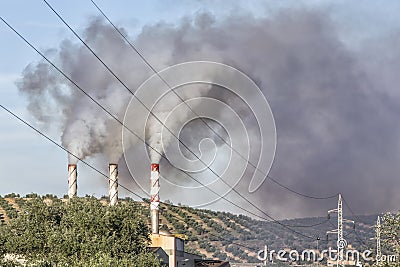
(72, 180)
(154, 197)
(113, 184)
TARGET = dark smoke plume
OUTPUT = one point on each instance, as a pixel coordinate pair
(335, 108)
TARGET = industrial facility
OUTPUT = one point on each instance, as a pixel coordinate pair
(169, 248)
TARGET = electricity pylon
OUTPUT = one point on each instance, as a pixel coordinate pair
(341, 242)
(378, 240)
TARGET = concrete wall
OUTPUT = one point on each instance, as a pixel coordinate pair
(174, 247)
(168, 244)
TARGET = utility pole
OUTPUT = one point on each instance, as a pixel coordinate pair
(317, 253)
(378, 240)
(341, 242)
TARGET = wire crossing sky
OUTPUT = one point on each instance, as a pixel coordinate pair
(327, 68)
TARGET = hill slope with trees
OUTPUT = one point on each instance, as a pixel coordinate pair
(81, 232)
(88, 229)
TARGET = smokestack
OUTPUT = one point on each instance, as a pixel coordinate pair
(154, 197)
(72, 180)
(113, 183)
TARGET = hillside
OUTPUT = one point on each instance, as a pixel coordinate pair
(228, 236)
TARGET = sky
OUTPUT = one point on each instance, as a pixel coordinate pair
(327, 68)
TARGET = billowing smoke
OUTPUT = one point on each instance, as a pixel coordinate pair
(156, 125)
(86, 130)
(334, 107)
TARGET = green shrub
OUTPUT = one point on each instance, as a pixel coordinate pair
(82, 232)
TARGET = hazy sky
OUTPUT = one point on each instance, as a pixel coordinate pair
(358, 156)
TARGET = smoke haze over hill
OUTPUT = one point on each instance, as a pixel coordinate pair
(335, 107)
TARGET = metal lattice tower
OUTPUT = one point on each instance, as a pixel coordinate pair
(378, 238)
(341, 243)
(340, 232)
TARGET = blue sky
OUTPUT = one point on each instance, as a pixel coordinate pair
(29, 163)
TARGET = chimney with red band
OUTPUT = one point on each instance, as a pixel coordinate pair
(113, 184)
(154, 197)
(72, 180)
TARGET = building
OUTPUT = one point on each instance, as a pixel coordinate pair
(161, 255)
(171, 249)
(211, 263)
(174, 247)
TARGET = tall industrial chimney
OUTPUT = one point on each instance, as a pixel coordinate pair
(72, 180)
(113, 183)
(154, 197)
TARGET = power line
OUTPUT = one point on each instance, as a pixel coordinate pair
(354, 228)
(352, 212)
(93, 168)
(180, 141)
(234, 204)
(119, 121)
(97, 103)
(141, 102)
(360, 239)
(97, 170)
(89, 165)
(130, 91)
(106, 177)
(76, 85)
(311, 225)
(63, 148)
(301, 194)
(197, 115)
(359, 220)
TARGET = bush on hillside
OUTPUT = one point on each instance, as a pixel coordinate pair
(82, 232)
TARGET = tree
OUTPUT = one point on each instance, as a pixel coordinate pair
(391, 234)
(82, 232)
